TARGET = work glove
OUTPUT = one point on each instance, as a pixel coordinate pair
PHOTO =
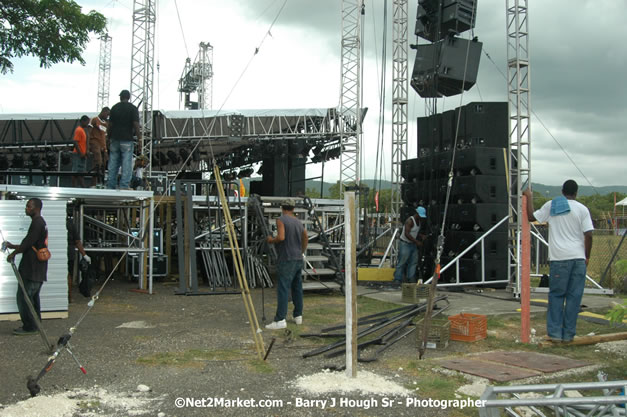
(87, 258)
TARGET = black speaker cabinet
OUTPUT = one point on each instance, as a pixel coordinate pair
(477, 189)
(469, 270)
(457, 16)
(473, 161)
(439, 67)
(487, 124)
(429, 134)
(495, 244)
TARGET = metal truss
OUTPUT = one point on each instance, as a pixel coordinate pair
(350, 96)
(198, 78)
(142, 67)
(551, 400)
(399, 102)
(104, 72)
(519, 86)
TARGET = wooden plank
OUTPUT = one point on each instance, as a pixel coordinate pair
(490, 370)
(587, 340)
(531, 360)
(350, 286)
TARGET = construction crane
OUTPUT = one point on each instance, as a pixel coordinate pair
(197, 78)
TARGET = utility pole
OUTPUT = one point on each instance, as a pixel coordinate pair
(518, 88)
(142, 69)
(104, 72)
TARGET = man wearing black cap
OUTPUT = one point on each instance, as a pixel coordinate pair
(123, 124)
(291, 242)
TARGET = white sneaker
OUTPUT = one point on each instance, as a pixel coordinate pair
(298, 320)
(276, 325)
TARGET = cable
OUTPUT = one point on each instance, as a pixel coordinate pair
(176, 6)
(547, 129)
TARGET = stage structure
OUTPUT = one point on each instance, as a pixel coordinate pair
(197, 77)
(104, 72)
(399, 103)
(105, 221)
(519, 94)
(142, 67)
(284, 141)
(351, 92)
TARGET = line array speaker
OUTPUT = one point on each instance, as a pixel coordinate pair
(446, 67)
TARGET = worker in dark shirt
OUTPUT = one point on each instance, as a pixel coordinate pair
(123, 125)
(32, 270)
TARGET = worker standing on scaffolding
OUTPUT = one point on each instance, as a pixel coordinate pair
(408, 247)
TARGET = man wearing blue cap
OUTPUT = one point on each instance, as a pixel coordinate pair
(410, 241)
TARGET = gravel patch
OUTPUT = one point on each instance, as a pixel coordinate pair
(338, 382)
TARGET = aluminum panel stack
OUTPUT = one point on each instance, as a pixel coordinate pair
(14, 224)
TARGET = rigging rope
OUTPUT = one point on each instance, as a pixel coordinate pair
(547, 129)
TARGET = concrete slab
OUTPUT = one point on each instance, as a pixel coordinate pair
(532, 360)
(490, 370)
(487, 302)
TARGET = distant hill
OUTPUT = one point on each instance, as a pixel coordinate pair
(551, 191)
(548, 191)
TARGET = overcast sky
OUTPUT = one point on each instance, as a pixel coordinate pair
(578, 61)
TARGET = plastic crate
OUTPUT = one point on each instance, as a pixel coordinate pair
(439, 333)
(467, 327)
(413, 293)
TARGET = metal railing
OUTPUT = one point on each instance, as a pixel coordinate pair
(455, 261)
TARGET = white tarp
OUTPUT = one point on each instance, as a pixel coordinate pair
(622, 202)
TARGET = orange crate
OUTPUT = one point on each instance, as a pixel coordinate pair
(467, 327)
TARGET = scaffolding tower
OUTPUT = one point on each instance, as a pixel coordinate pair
(142, 68)
(350, 95)
(198, 78)
(518, 88)
(104, 72)
(399, 102)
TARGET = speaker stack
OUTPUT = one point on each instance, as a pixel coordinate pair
(478, 196)
(448, 64)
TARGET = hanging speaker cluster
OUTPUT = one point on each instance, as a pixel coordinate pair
(449, 64)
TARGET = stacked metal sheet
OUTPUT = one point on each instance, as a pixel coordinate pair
(14, 224)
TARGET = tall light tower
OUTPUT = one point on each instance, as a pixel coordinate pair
(399, 101)
(142, 68)
(104, 72)
(350, 96)
(519, 88)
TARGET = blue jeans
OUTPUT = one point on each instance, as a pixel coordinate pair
(407, 261)
(289, 281)
(32, 291)
(566, 283)
(120, 154)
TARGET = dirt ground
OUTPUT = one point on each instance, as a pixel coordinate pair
(189, 347)
(200, 347)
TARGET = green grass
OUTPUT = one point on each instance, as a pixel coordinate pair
(191, 358)
(259, 366)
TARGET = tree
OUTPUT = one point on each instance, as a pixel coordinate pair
(52, 30)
